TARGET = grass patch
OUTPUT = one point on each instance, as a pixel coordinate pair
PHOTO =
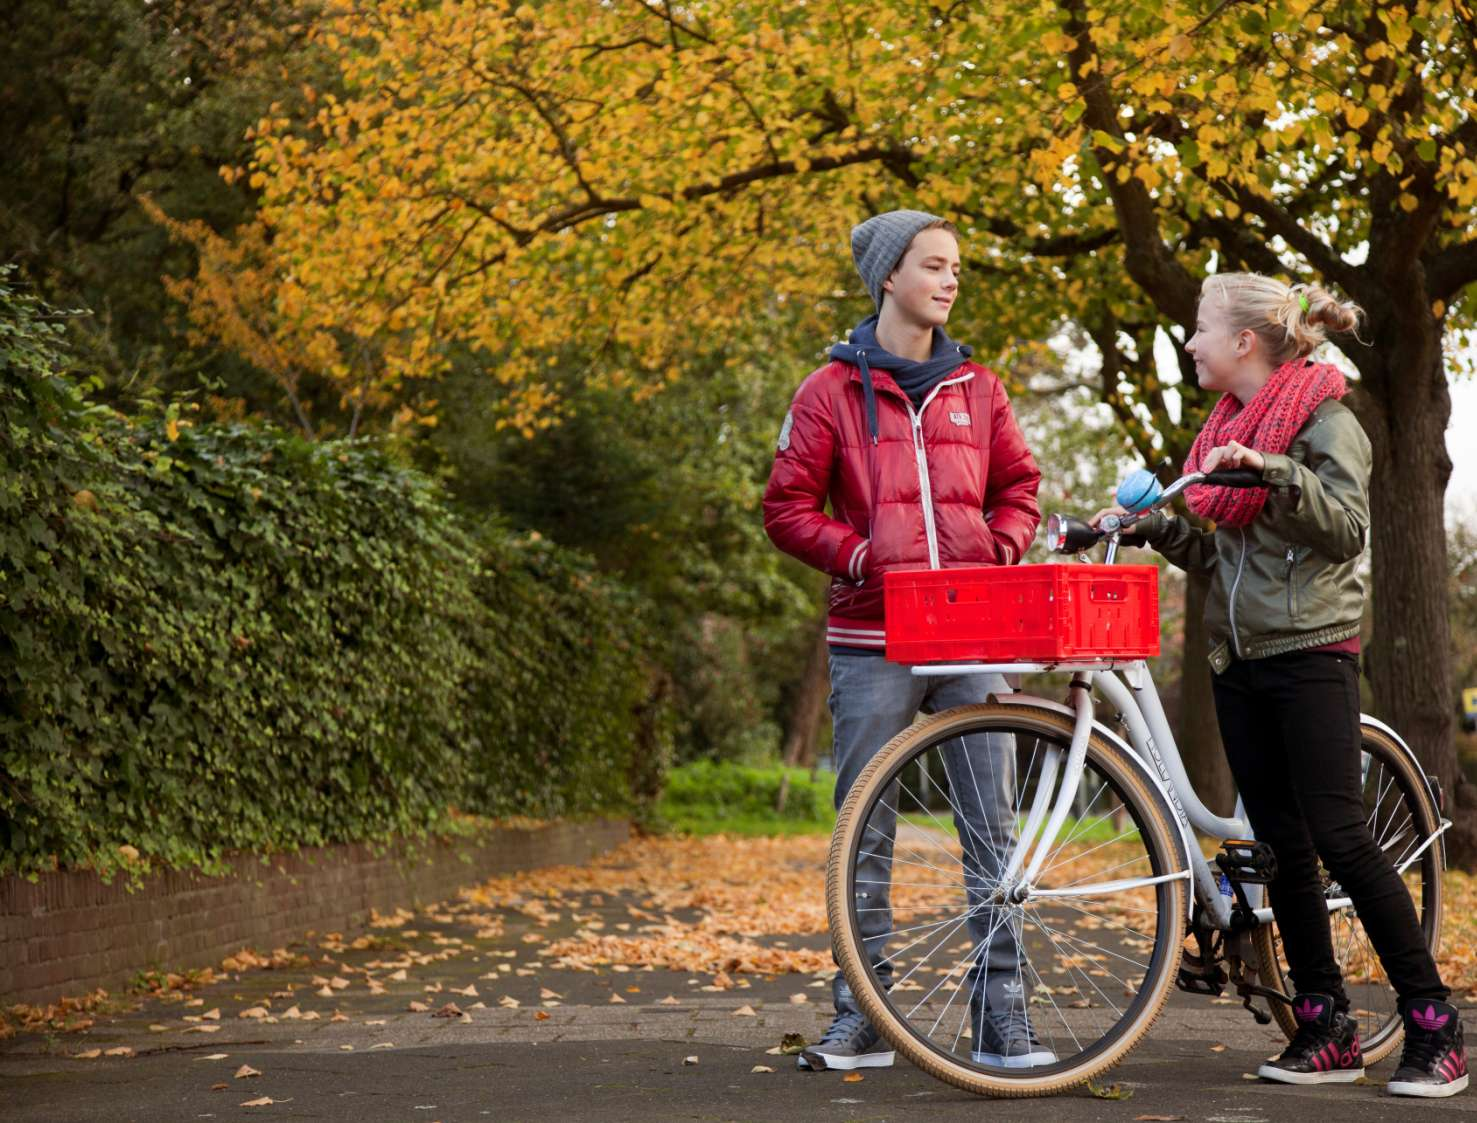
(1080, 831)
(711, 798)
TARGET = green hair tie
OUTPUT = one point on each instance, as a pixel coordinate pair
(1303, 303)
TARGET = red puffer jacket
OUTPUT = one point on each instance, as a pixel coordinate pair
(950, 485)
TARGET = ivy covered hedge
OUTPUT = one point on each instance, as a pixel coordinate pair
(219, 638)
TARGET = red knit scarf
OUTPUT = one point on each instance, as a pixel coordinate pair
(1267, 423)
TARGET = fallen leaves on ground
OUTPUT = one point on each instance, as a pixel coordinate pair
(71, 1014)
(246, 1070)
(248, 959)
(853, 1078)
(738, 888)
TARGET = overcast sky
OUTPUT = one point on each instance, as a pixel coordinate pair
(1461, 444)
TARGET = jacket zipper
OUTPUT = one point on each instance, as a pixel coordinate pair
(924, 489)
(921, 455)
(1292, 573)
(1235, 585)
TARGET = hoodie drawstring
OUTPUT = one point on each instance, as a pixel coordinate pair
(869, 394)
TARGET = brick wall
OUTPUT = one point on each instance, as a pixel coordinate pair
(68, 933)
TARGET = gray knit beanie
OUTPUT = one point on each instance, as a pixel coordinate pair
(878, 244)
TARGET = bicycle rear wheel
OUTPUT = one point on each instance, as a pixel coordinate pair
(1403, 819)
(941, 948)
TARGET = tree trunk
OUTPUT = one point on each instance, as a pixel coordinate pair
(805, 716)
(1405, 409)
(1197, 731)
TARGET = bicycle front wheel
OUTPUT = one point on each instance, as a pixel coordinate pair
(993, 982)
(1404, 821)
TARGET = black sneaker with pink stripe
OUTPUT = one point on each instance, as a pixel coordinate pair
(1434, 1063)
(1325, 1049)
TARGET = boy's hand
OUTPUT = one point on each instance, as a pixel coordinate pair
(1233, 455)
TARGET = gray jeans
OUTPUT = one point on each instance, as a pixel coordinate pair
(873, 700)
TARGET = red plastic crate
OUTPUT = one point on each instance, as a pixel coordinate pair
(1023, 613)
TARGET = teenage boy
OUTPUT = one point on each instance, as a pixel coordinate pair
(924, 466)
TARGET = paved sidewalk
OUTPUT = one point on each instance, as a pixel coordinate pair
(334, 1037)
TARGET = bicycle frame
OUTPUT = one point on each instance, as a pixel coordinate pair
(1129, 686)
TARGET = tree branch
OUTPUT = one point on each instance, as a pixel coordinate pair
(1451, 270)
(1278, 221)
(599, 207)
(1061, 245)
(1149, 261)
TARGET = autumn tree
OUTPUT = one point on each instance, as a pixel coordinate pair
(106, 100)
(635, 178)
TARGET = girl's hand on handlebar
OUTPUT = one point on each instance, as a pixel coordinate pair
(1096, 521)
(1233, 454)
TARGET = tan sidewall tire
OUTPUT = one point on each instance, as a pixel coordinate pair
(1159, 831)
(1264, 937)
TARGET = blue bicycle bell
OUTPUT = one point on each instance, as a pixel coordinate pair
(1138, 490)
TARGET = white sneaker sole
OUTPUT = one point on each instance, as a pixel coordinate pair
(825, 1062)
(1427, 1091)
(1336, 1076)
(1025, 1060)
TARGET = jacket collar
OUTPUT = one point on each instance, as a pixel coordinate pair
(883, 380)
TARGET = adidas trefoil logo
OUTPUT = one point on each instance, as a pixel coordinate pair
(1429, 1020)
(1307, 1010)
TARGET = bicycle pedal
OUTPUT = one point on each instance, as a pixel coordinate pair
(1247, 861)
(1262, 1017)
(1200, 980)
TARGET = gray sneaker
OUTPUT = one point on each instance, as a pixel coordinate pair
(849, 1043)
(1001, 1026)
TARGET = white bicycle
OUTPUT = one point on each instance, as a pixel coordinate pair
(1104, 882)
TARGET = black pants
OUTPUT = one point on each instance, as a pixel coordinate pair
(1290, 725)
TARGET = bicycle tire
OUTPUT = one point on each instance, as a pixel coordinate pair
(1165, 855)
(1380, 1029)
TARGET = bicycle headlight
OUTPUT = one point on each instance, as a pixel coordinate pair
(1055, 532)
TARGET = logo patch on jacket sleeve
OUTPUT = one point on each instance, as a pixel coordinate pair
(784, 441)
(959, 418)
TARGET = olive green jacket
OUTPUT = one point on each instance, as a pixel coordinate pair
(1291, 579)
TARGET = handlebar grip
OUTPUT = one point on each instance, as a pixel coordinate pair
(1235, 477)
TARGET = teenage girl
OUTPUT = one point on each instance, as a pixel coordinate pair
(1283, 614)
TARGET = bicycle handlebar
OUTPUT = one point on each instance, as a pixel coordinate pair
(1066, 534)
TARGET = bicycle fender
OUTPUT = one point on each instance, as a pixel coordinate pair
(1376, 723)
(1176, 812)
